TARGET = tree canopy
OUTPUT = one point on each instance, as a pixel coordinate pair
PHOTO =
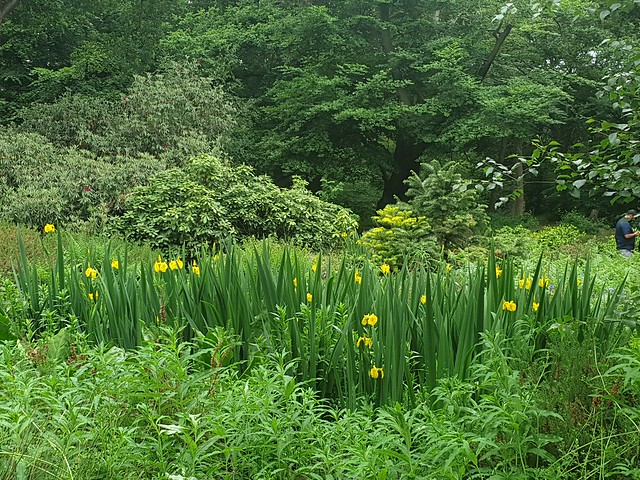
(352, 95)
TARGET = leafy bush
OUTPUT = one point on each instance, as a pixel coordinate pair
(449, 203)
(582, 223)
(551, 238)
(257, 207)
(173, 210)
(50, 184)
(442, 208)
(172, 114)
(527, 220)
(210, 200)
(399, 235)
(513, 241)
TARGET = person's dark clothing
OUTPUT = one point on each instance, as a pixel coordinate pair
(623, 227)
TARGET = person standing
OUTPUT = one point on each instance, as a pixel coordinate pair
(625, 236)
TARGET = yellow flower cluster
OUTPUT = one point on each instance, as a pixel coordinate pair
(543, 282)
(309, 297)
(448, 268)
(357, 277)
(49, 228)
(368, 342)
(423, 299)
(195, 268)
(91, 272)
(535, 306)
(314, 267)
(376, 372)
(160, 265)
(295, 281)
(525, 283)
(509, 306)
(176, 264)
(370, 319)
(93, 296)
(498, 271)
(385, 268)
(115, 264)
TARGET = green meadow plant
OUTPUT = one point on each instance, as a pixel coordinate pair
(350, 332)
(162, 412)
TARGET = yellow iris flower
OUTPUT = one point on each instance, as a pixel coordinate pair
(370, 319)
(376, 372)
(509, 306)
(91, 272)
(364, 340)
(160, 265)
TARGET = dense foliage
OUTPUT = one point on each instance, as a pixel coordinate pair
(249, 332)
(209, 201)
(351, 96)
(44, 183)
(244, 360)
(163, 413)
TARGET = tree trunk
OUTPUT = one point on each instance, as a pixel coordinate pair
(519, 203)
(387, 45)
(408, 150)
(495, 193)
(405, 160)
(5, 8)
(519, 172)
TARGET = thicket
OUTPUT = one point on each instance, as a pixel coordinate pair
(245, 359)
(172, 114)
(44, 183)
(209, 201)
(165, 411)
(443, 212)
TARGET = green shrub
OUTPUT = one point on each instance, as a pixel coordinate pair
(449, 203)
(582, 223)
(526, 220)
(172, 114)
(442, 208)
(174, 211)
(50, 184)
(399, 235)
(551, 238)
(514, 241)
(210, 200)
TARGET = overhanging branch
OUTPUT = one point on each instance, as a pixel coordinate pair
(5, 8)
(494, 53)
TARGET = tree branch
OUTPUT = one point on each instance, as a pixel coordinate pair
(494, 53)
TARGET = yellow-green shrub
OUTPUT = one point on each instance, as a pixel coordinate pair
(400, 234)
